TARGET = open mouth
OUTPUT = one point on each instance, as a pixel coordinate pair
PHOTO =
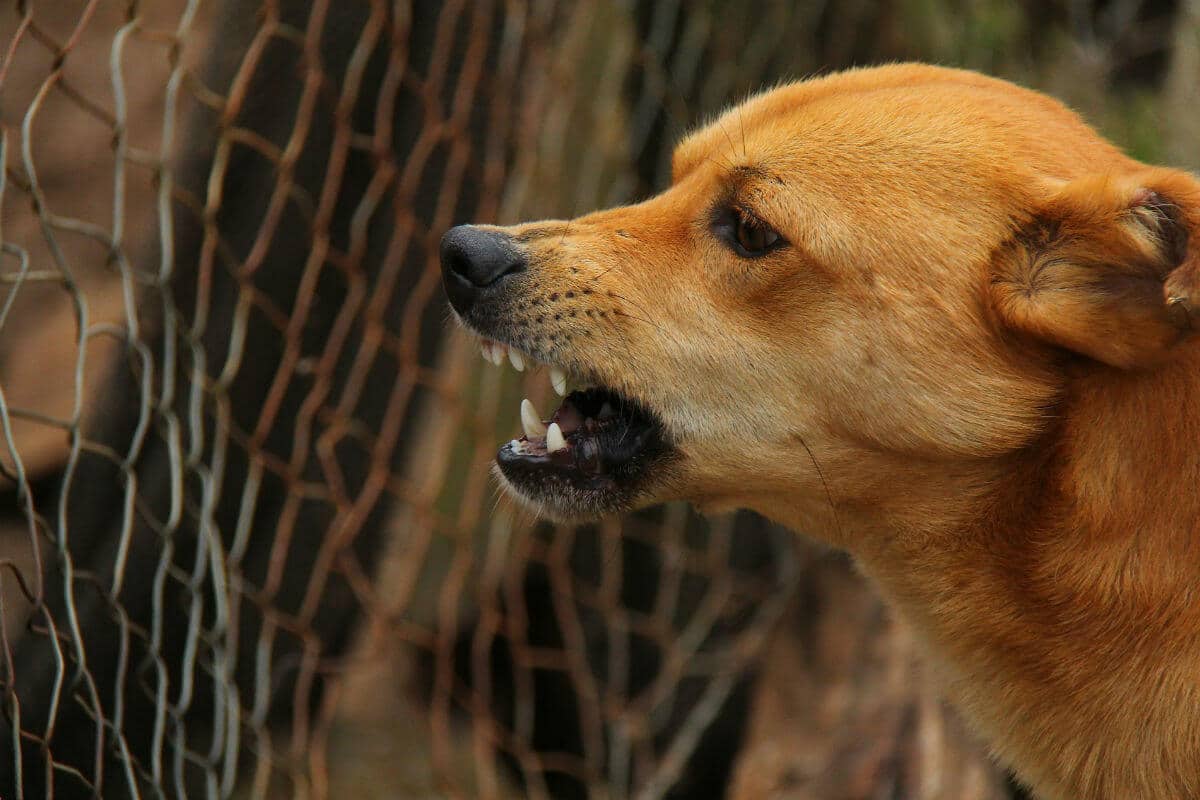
(598, 452)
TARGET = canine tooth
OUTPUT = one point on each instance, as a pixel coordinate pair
(554, 438)
(517, 360)
(530, 421)
(558, 379)
(606, 410)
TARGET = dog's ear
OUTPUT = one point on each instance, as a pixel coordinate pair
(1107, 267)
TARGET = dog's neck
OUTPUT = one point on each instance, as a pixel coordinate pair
(1040, 580)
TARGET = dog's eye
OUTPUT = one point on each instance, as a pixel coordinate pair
(745, 233)
(754, 235)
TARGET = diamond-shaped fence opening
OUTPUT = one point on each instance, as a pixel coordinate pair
(249, 545)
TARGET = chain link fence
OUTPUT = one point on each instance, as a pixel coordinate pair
(250, 546)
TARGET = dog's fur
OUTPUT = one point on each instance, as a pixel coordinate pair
(970, 366)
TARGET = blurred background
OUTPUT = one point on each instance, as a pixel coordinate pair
(249, 545)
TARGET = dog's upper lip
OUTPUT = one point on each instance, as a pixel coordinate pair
(498, 352)
(561, 376)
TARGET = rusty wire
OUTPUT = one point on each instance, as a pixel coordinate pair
(193, 589)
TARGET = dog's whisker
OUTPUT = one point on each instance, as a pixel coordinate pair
(837, 523)
(595, 278)
(726, 165)
(674, 339)
(742, 123)
(728, 138)
(649, 322)
(646, 318)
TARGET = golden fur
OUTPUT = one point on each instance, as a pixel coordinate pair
(970, 367)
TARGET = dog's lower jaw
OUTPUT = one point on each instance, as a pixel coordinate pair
(558, 509)
(567, 507)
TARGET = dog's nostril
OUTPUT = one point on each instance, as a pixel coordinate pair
(478, 256)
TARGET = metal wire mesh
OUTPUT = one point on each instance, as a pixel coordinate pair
(251, 546)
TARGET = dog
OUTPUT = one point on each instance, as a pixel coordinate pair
(928, 317)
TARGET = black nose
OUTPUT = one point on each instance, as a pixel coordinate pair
(476, 261)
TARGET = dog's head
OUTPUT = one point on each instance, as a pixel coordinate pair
(853, 285)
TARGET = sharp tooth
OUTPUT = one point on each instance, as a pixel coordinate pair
(485, 348)
(554, 439)
(533, 425)
(518, 361)
(558, 379)
(497, 355)
(606, 410)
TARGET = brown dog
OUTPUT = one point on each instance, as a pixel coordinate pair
(931, 318)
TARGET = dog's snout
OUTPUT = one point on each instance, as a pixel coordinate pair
(476, 260)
